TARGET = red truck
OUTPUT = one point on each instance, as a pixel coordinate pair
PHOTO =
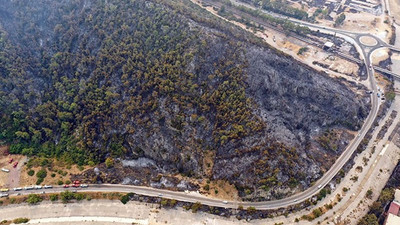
(76, 184)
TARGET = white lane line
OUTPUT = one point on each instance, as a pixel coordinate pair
(384, 149)
(89, 219)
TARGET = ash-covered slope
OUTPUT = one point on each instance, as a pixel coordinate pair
(165, 80)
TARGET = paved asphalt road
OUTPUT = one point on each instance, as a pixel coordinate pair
(325, 179)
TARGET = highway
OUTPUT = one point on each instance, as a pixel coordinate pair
(365, 51)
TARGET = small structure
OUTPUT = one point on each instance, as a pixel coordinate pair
(393, 217)
(328, 45)
(392, 220)
(397, 195)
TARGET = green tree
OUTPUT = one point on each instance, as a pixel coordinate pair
(369, 219)
(109, 162)
(33, 199)
(53, 197)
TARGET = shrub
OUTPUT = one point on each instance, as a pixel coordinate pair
(41, 173)
(369, 194)
(53, 197)
(251, 209)
(124, 199)
(109, 162)
(31, 172)
(195, 207)
(20, 220)
(317, 212)
(33, 199)
(39, 181)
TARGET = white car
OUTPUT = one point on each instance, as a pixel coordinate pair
(47, 186)
(17, 189)
(38, 187)
(319, 186)
(225, 202)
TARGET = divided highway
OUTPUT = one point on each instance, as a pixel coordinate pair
(294, 199)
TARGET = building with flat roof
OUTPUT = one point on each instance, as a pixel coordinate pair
(392, 220)
(393, 217)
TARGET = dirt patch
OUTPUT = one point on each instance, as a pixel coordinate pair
(56, 171)
(366, 40)
(10, 179)
(208, 162)
(219, 189)
(379, 56)
(395, 9)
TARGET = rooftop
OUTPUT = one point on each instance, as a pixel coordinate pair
(392, 220)
(394, 208)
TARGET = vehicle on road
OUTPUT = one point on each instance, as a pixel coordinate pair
(47, 186)
(17, 189)
(15, 164)
(28, 188)
(74, 191)
(76, 184)
(66, 186)
(38, 187)
(5, 170)
(225, 202)
(295, 200)
(3, 195)
(11, 160)
(160, 195)
(4, 190)
(319, 186)
(84, 185)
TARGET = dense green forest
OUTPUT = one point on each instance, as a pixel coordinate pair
(165, 80)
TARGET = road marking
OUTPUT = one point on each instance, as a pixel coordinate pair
(384, 150)
(89, 219)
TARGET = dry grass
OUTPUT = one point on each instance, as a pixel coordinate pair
(208, 162)
(395, 9)
(8, 179)
(220, 189)
(59, 169)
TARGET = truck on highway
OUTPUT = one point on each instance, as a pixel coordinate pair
(76, 184)
(17, 189)
(47, 186)
(5, 170)
(28, 188)
(3, 195)
(4, 190)
(38, 187)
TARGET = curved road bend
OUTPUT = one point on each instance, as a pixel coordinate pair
(294, 199)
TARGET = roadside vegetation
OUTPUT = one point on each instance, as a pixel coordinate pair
(286, 25)
(281, 7)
